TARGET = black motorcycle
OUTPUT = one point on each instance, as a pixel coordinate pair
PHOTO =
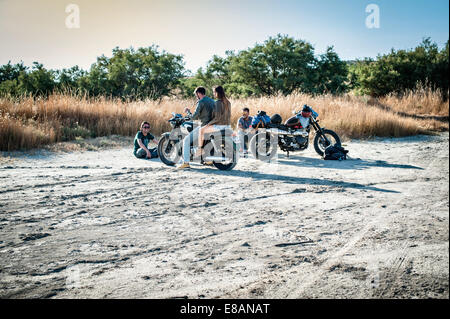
(219, 146)
(292, 136)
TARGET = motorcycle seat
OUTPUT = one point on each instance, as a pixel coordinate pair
(221, 132)
(227, 130)
(273, 125)
(278, 126)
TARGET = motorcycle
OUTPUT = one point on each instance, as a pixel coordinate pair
(293, 135)
(219, 146)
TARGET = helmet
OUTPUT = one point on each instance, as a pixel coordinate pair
(276, 119)
(306, 111)
(261, 113)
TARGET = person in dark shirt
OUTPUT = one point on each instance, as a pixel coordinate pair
(220, 120)
(203, 113)
(141, 141)
(244, 129)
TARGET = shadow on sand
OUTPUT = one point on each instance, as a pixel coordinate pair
(292, 180)
(355, 164)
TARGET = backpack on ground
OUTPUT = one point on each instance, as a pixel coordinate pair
(335, 152)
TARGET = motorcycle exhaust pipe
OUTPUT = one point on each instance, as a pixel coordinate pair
(282, 132)
(304, 134)
(217, 159)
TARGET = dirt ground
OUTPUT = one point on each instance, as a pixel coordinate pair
(103, 224)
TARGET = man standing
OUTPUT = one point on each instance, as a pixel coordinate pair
(203, 113)
(244, 129)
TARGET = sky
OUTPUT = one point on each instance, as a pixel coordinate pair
(38, 31)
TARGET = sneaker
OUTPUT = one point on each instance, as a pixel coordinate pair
(184, 166)
(208, 163)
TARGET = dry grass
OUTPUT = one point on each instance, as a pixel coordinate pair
(32, 123)
(421, 101)
(29, 123)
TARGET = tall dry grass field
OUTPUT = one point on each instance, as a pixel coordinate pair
(30, 123)
(423, 100)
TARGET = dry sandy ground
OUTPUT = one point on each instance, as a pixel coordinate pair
(106, 225)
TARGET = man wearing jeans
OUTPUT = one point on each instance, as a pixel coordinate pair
(141, 141)
(244, 129)
(203, 113)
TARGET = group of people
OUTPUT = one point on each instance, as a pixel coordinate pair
(213, 115)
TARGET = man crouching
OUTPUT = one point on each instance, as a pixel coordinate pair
(141, 141)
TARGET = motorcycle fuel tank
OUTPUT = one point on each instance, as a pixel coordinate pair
(293, 121)
(186, 127)
(298, 120)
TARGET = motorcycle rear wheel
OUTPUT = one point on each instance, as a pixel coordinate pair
(264, 146)
(230, 151)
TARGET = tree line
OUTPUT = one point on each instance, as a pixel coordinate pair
(280, 65)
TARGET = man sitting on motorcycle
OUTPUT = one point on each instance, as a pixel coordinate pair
(203, 113)
(220, 120)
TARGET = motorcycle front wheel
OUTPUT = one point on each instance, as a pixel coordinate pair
(169, 151)
(327, 138)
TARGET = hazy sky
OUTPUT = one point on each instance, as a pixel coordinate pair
(36, 30)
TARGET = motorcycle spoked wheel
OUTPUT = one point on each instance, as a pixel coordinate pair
(322, 141)
(264, 146)
(169, 151)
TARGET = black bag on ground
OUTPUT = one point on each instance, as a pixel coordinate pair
(335, 152)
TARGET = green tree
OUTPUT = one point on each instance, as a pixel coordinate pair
(96, 82)
(69, 79)
(39, 81)
(188, 84)
(439, 74)
(332, 73)
(403, 69)
(129, 73)
(9, 78)
(280, 65)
